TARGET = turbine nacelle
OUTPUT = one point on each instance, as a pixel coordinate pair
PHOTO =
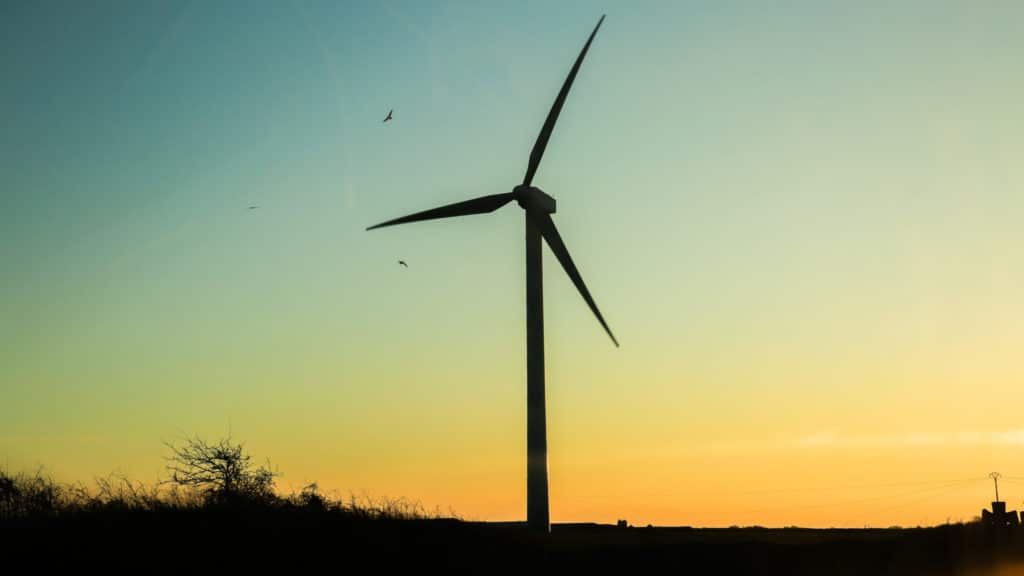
(534, 199)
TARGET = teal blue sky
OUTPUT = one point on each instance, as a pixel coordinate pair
(798, 217)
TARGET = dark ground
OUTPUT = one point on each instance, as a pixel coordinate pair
(232, 540)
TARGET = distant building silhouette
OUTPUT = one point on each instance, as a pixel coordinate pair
(999, 517)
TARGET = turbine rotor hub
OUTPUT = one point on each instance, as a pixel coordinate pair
(534, 199)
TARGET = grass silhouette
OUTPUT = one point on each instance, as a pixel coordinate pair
(122, 524)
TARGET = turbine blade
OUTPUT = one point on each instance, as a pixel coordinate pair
(550, 233)
(545, 132)
(480, 205)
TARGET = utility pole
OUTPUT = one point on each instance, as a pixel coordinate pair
(995, 478)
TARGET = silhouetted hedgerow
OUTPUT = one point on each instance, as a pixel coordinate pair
(116, 523)
(202, 476)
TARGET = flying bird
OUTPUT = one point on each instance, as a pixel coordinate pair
(389, 115)
(253, 207)
(540, 228)
(402, 262)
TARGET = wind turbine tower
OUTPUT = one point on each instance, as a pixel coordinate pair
(538, 208)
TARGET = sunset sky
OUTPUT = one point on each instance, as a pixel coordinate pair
(803, 221)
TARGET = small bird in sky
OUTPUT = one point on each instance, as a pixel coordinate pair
(253, 207)
(389, 115)
(402, 262)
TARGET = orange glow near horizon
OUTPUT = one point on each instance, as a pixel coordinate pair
(802, 223)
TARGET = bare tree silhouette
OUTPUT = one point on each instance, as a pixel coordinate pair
(221, 471)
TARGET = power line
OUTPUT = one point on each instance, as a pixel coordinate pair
(956, 484)
(859, 486)
(949, 485)
(916, 501)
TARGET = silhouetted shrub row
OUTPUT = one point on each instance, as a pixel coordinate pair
(217, 505)
(203, 475)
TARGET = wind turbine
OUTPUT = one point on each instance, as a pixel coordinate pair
(538, 207)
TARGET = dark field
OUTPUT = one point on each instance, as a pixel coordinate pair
(233, 520)
(295, 538)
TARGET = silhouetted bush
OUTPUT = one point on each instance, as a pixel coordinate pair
(203, 476)
(222, 472)
(310, 497)
(29, 495)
